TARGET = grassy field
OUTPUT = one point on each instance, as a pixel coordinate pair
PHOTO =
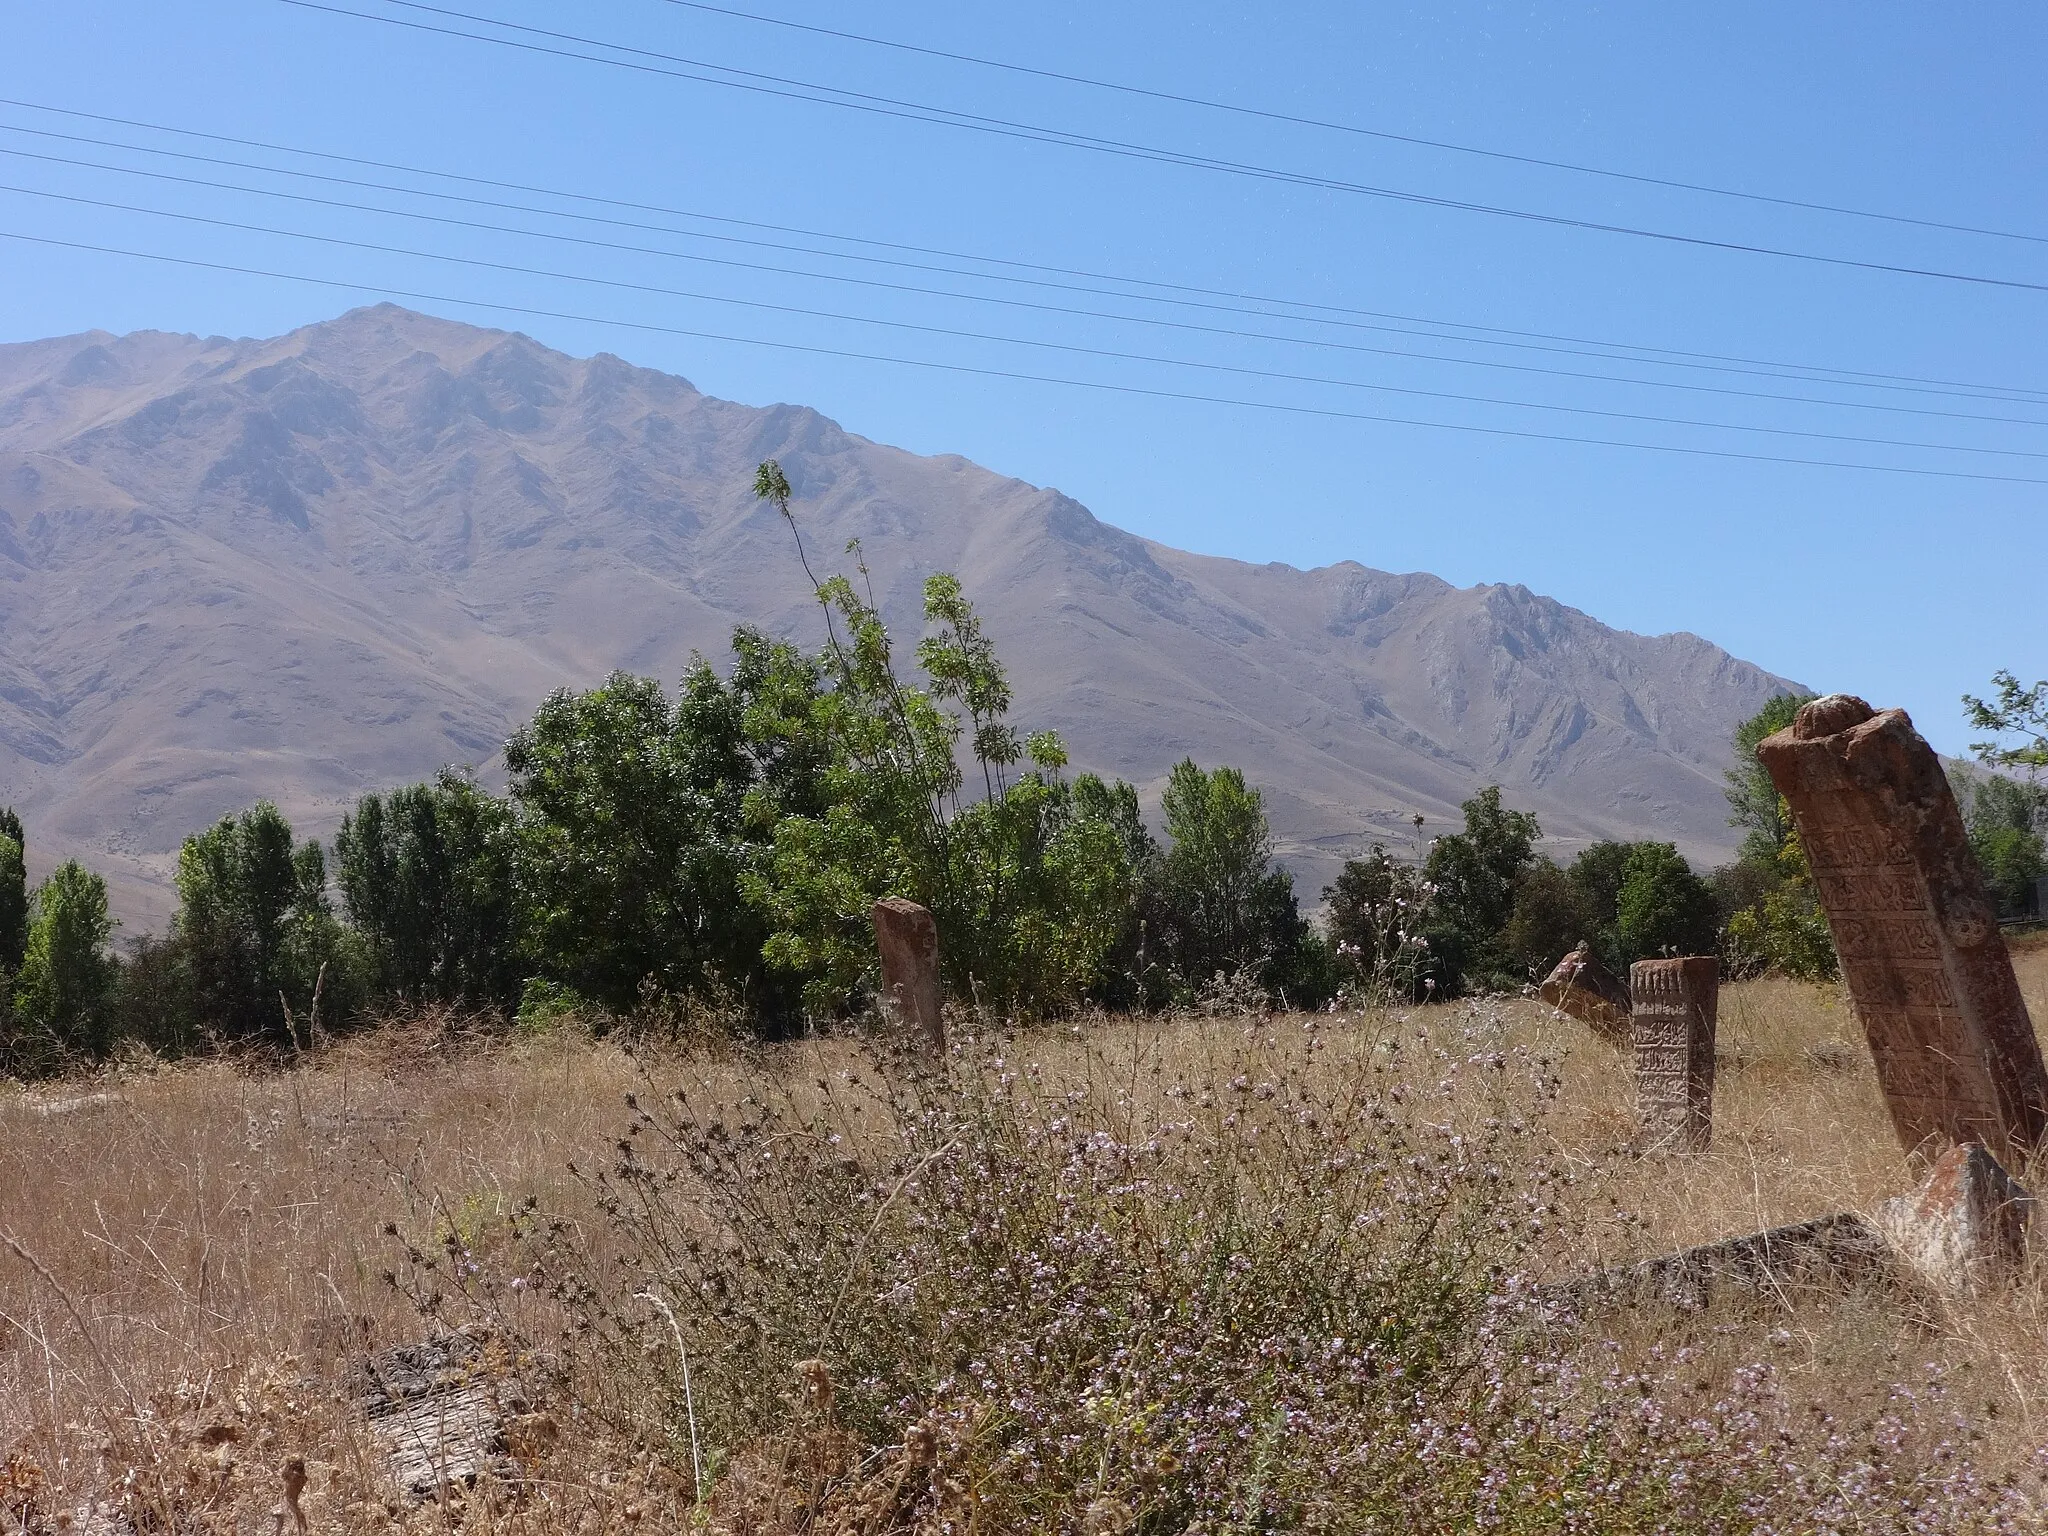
(200, 1253)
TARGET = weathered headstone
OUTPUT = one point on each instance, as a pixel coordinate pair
(1581, 987)
(1964, 1228)
(908, 939)
(1675, 1006)
(1926, 968)
(1829, 1253)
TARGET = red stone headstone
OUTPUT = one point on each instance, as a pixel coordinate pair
(1675, 1006)
(1925, 965)
(1580, 986)
(908, 939)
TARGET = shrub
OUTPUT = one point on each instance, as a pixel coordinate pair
(13, 892)
(1379, 910)
(1663, 908)
(1475, 875)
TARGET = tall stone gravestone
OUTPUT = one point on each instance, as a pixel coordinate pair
(1918, 938)
(1673, 1010)
(908, 939)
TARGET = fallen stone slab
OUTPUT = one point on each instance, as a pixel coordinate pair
(1582, 988)
(1965, 1229)
(84, 1103)
(1829, 1253)
(439, 1410)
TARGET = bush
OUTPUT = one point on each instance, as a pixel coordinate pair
(1663, 908)
(1379, 913)
(1475, 876)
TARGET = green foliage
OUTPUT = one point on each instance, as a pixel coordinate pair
(426, 878)
(630, 831)
(1752, 797)
(1224, 910)
(1379, 910)
(13, 894)
(2012, 711)
(259, 934)
(1663, 908)
(1771, 918)
(2005, 817)
(1553, 913)
(63, 995)
(1476, 875)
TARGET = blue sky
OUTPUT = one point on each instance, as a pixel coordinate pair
(1907, 588)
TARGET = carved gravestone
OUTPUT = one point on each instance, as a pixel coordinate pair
(1965, 1228)
(1674, 1009)
(908, 939)
(1918, 938)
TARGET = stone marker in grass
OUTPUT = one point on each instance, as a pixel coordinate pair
(1926, 968)
(908, 939)
(1675, 1004)
(1581, 987)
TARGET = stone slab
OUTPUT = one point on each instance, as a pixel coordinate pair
(438, 1410)
(1965, 1228)
(1922, 957)
(1676, 1004)
(907, 937)
(1579, 986)
(1830, 1253)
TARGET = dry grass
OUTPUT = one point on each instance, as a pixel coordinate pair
(200, 1252)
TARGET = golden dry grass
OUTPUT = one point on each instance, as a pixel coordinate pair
(202, 1249)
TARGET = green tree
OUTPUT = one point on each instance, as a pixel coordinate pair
(257, 928)
(1663, 908)
(2011, 711)
(1752, 798)
(1031, 881)
(1226, 911)
(1475, 875)
(426, 877)
(2004, 817)
(13, 895)
(63, 995)
(1553, 913)
(1379, 910)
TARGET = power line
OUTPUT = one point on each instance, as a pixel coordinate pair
(1353, 128)
(1019, 341)
(1324, 412)
(1664, 357)
(758, 83)
(919, 290)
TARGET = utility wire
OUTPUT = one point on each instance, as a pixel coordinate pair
(1382, 134)
(758, 83)
(919, 290)
(1323, 412)
(1665, 357)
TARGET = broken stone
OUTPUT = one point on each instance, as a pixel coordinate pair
(908, 939)
(439, 1409)
(1966, 1226)
(1830, 1253)
(1926, 968)
(1581, 987)
(1676, 1005)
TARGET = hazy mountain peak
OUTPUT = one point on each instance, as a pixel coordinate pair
(334, 560)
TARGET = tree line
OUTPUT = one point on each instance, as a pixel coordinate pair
(720, 847)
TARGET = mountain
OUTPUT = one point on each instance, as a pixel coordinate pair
(332, 561)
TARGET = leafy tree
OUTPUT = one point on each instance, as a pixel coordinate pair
(1032, 883)
(1663, 908)
(13, 894)
(257, 927)
(426, 878)
(1553, 913)
(1379, 910)
(2004, 817)
(1476, 875)
(1752, 797)
(1226, 909)
(2012, 711)
(62, 996)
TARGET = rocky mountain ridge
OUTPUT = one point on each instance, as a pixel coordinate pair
(332, 561)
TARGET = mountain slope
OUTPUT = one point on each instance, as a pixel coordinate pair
(332, 561)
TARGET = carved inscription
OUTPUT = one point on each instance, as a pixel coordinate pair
(907, 937)
(1926, 969)
(1672, 1017)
